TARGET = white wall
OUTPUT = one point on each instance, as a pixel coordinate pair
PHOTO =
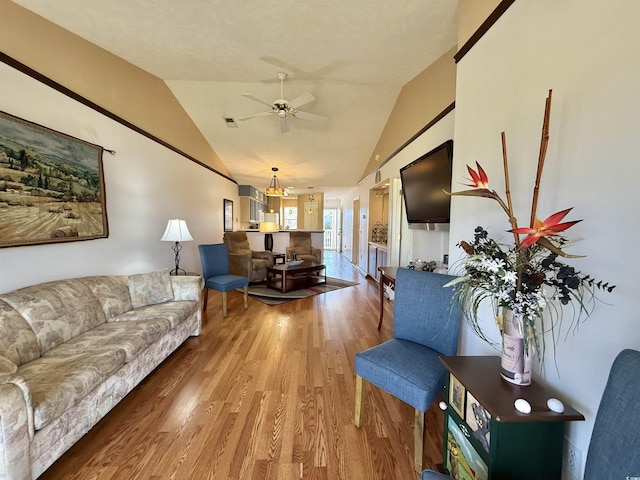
(426, 245)
(587, 52)
(145, 183)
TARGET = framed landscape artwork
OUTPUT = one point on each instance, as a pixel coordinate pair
(51, 186)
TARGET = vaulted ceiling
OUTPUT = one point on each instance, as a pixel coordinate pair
(353, 56)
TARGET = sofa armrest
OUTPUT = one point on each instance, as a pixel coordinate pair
(16, 427)
(240, 264)
(187, 287)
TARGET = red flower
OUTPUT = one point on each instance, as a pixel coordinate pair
(479, 178)
(549, 227)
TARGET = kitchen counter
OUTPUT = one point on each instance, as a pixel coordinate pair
(281, 239)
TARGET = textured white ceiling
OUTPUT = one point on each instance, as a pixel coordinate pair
(352, 55)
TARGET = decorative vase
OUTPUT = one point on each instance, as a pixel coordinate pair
(515, 362)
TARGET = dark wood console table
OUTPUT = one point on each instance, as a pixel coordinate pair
(387, 277)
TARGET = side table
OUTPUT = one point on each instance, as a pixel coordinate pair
(387, 277)
(278, 256)
(486, 438)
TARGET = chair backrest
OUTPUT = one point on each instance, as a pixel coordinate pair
(300, 242)
(425, 312)
(237, 242)
(614, 450)
(214, 260)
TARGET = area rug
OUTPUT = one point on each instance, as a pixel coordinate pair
(270, 296)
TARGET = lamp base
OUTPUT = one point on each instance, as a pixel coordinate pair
(176, 271)
(268, 242)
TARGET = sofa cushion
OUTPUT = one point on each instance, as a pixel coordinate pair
(7, 367)
(132, 337)
(112, 292)
(174, 312)
(150, 288)
(58, 382)
(56, 311)
(17, 341)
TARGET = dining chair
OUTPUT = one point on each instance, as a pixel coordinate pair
(215, 270)
(426, 324)
(614, 449)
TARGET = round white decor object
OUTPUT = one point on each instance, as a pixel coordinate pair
(555, 405)
(522, 405)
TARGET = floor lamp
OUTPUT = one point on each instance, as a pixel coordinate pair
(269, 226)
(177, 232)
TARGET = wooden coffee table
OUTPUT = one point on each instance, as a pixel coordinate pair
(286, 277)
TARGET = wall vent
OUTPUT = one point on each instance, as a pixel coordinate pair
(231, 123)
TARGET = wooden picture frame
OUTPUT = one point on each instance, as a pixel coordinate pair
(228, 215)
(457, 396)
(51, 186)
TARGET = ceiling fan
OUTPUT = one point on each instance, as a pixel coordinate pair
(285, 108)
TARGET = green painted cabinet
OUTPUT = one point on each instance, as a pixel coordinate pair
(486, 438)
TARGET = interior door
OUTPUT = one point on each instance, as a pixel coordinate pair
(355, 257)
(310, 215)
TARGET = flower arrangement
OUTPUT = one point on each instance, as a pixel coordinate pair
(528, 277)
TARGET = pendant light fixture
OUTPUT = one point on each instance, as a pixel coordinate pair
(274, 189)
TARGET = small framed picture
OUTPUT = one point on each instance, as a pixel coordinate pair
(457, 394)
(478, 420)
(228, 215)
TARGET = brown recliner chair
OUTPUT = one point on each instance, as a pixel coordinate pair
(246, 262)
(300, 242)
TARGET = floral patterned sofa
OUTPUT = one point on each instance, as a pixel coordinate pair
(70, 350)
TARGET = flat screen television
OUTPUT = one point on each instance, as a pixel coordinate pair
(423, 182)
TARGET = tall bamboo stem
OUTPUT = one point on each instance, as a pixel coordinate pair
(507, 188)
(544, 141)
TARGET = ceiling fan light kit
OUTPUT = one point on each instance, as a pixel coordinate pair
(284, 108)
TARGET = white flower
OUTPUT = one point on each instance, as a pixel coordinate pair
(491, 265)
(510, 277)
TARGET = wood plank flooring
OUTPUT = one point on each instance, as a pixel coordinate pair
(266, 393)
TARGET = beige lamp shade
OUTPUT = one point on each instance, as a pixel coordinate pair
(270, 223)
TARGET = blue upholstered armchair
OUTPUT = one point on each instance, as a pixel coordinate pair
(614, 451)
(426, 323)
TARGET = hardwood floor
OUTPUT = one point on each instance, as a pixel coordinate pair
(266, 393)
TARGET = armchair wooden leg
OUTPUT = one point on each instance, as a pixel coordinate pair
(418, 435)
(246, 297)
(224, 304)
(358, 410)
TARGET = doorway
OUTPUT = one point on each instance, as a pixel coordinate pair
(355, 245)
(331, 225)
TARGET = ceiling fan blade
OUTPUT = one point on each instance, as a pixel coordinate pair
(256, 99)
(253, 115)
(311, 116)
(301, 100)
(284, 126)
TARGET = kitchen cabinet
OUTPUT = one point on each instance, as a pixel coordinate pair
(253, 204)
(378, 257)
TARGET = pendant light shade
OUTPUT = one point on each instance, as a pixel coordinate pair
(274, 189)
